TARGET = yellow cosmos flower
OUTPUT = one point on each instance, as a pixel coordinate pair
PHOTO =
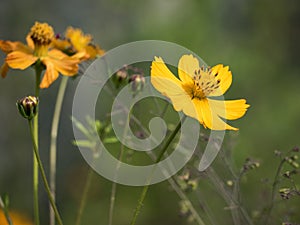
(78, 44)
(196, 91)
(8, 47)
(20, 56)
(16, 217)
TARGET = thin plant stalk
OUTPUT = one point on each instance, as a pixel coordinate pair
(38, 72)
(187, 201)
(5, 211)
(84, 195)
(43, 175)
(274, 188)
(145, 189)
(231, 201)
(53, 142)
(114, 185)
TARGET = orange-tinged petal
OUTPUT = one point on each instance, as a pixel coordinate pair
(20, 60)
(64, 64)
(57, 54)
(51, 74)
(187, 66)
(61, 44)
(93, 51)
(78, 39)
(81, 56)
(229, 109)
(211, 119)
(9, 46)
(224, 75)
(3, 70)
(29, 41)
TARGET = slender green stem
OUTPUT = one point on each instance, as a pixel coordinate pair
(5, 210)
(114, 185)
(38, 72)
(40, 166)
(53, 147)
(84, 195)
(112, 203)
(145, 189)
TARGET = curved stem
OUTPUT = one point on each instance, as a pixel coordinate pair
(53, 147)
(38, 72)
(40, 166)
(145, 189)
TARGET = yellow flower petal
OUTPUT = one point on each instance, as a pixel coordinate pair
(160, 70)
(61, 44)
(225, 76)
(30, 42)
(3, 70)
(192, 109)
(51, 74)
(187, 66)
(230, 109)
(93, 51)
(166, 83)
(78, 39)
(20, 60)
(57, 54)
(64, 64)
(9, 46)
(211, 119)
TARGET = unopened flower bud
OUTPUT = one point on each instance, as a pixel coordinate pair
(137, 82)
(121, 75)
(28, 106)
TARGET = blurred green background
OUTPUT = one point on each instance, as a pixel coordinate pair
(259, 39)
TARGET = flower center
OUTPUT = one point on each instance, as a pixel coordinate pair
(41, 34)
(204, 83)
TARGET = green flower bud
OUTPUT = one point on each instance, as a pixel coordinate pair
(28, 106)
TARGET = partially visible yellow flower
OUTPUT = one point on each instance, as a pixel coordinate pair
(196, 91)
(16, 217)
(8, 47)
(39, 39)
(78, 44)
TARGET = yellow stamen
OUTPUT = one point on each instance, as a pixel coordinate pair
(41, 34)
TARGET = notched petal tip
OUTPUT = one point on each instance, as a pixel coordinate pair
(224, 76)
(158, 59)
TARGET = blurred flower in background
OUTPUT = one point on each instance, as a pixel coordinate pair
(38, 50)
(77, 44)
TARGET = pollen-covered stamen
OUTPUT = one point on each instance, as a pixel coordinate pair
(41, 34)
(205, 82)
